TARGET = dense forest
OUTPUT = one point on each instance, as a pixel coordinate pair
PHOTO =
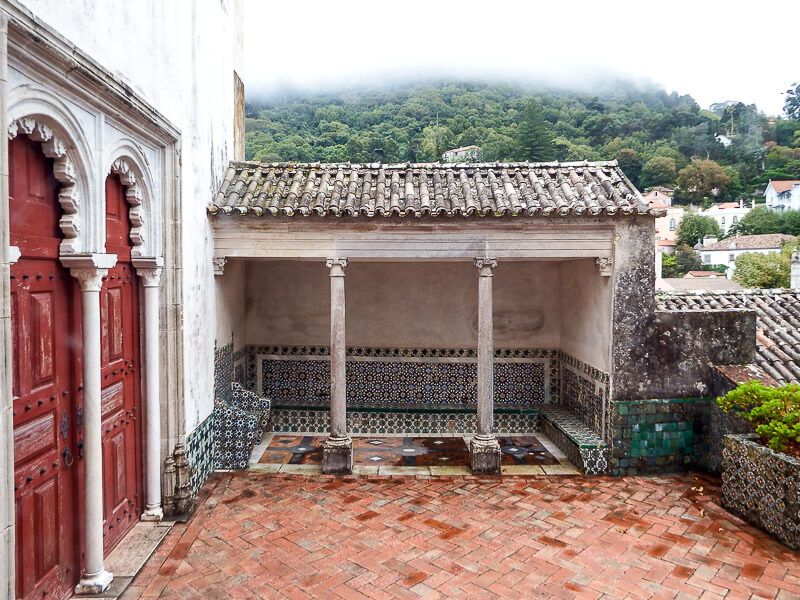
(726, 152)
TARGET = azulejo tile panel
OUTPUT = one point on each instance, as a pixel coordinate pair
(657, 436)
(761, 486)
(291, 420)
(200, 453)
(585, 449)
(585, 395)
(398, 377)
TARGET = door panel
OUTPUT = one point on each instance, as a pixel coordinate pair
(43, 384)
(119, 304)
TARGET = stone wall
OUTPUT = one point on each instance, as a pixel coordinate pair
(658, 436)
(761, 486)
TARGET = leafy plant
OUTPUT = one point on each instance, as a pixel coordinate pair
(773, 412)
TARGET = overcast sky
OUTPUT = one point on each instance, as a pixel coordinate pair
(714, 50)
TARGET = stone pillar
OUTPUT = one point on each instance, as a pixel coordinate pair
(337, 454)
(484, 451)
(795, 271)
(149, 272)
(89, 271)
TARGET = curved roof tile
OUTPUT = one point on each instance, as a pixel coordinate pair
(430, 189)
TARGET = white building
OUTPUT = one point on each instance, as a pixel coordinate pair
(725, 252)
(135, 107)
(463, 154)
(783, 195)
(727, 214)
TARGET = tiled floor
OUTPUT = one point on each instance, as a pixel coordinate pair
(276, 536)
(522, 454)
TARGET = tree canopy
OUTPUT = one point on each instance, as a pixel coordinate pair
(755, 270)
(693, 228)
(659, 138)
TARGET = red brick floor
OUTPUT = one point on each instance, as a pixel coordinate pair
(275, 536)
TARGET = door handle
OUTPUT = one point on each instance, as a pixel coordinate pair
(68, 458)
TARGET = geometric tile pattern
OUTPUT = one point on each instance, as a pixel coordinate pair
(409, 383)
(239, 422)
(581, 395)
(585, 449)
(288, 536)
(200, 453)
(398, 421)
(405, 451)
(763, 487)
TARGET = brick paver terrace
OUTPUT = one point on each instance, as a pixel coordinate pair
(259, 535)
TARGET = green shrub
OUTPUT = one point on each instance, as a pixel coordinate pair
(773, 412)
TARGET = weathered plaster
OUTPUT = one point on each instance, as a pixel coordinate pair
(429, 304)
(231, 306)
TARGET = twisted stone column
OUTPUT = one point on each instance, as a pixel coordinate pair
(337, 454)
(89, 271)
(484, 449)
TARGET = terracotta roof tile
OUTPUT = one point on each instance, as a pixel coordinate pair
(751, 242)
(481, 189)
(784, 186)
(777, 323)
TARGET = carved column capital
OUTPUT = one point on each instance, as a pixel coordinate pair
(89, 269)
(486, 266)
(336, 266)
(219, 264)
(149, 270)
(605, 264)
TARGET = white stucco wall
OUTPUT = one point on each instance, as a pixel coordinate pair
(431, 304)
(537, 304)
(231, 306)
(585, 299)
(179, 56)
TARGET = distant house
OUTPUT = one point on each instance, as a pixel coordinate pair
(725, 252)
(463, 154)
(666, 226)
(727, 214)
(704, 274)
(783, 195)
(658, 195)
(706, 284)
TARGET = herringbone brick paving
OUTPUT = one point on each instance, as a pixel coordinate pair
(274, 536)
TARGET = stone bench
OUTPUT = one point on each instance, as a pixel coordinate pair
(585, 448)
(240, 417)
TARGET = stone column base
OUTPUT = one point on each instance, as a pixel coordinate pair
(154, 513)
(484, 455)
(337, 456)
(96, 583)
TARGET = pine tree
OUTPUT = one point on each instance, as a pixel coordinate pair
(534, 138)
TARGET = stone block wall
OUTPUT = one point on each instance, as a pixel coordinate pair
(658, 436)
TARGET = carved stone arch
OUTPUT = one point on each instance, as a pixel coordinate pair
(133, 194)
(127, 160)
(36, 112)
(64, 171)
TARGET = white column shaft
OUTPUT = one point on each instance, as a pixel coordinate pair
(92, 434)
(153, 406)
(485, 353)
(338, 354)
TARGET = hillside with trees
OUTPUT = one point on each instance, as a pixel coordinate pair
(659, 138)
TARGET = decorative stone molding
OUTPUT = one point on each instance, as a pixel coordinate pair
(149, 270)
(89, 269)
(133, 195)
(605, 264)
(64, 172)
(218, 263)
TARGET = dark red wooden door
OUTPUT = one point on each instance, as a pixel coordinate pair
(46, 340)
(119, 305)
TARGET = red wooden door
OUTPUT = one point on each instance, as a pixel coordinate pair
(46, 342)
(119, 306)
